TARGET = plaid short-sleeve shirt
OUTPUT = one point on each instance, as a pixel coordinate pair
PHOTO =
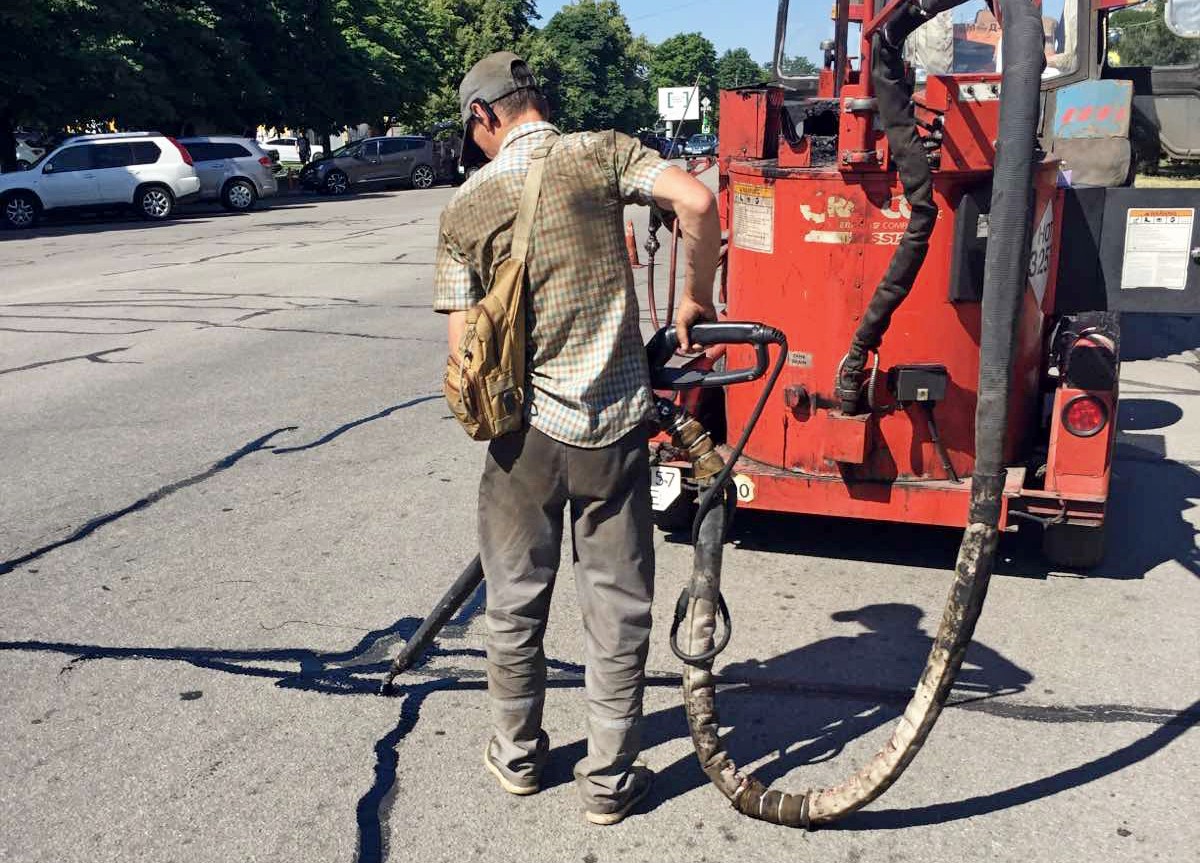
(589, 383)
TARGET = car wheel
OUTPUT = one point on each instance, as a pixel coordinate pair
(21, 210)
(423, 177)
(156, 203)
(337, 183)
(239, 196)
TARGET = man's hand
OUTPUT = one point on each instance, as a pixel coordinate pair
(692, 312)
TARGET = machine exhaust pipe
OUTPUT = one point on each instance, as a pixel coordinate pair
(1004, 285)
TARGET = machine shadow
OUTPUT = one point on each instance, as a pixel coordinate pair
(1150, 337)
(832, 692)
(1150, 496)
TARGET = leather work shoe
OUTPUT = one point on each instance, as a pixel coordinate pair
(641, 778)
(521, 786)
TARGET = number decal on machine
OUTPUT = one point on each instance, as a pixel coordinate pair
(746, 490)
(1039, 257)
(666, 484)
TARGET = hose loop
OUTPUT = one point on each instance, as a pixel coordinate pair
(682, 606)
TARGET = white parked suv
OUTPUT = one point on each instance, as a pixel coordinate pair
(145, 170)
(289, 150)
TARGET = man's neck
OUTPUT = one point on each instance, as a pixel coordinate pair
(522, 119)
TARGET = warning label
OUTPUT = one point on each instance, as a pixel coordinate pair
(754, 217)
(1157, 249)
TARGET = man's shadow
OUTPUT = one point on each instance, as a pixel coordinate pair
(827, 694)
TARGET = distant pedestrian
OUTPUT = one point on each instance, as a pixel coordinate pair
(303, 147)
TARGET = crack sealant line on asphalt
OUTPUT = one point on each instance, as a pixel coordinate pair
(154, 497)
(93, 357)
(257, 445)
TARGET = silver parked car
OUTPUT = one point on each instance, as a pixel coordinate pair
(404, 158)
(235, 171)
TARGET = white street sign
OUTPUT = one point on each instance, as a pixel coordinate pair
(676, 104)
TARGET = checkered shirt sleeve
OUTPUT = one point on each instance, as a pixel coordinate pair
(456, 286)
(638, 169)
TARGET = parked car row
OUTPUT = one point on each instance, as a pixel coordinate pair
(148, 171)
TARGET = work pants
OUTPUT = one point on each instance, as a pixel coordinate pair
(528, 481)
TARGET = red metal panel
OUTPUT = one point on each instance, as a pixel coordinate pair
(833, 238)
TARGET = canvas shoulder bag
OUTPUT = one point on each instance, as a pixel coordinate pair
(485, 377)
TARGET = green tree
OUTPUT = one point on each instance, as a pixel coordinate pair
(737, 68)
(593, 68)
(794, 67)
(476, 28)
(684, 61)
(178, 64)
(1142, 38)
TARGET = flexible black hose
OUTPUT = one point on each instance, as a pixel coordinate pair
(894, 95)
(1004, 285)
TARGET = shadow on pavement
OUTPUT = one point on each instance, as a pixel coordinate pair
(804, 706)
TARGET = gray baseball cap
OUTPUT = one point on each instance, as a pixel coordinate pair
(491, 79)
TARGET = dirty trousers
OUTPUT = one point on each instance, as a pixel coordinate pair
(529, 479)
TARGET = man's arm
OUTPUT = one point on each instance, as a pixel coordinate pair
(456, 288)
(696, 209)
(456, 322)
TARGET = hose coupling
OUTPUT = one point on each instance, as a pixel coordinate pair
(689, 435)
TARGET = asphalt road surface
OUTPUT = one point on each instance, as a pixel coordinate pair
(231, 490)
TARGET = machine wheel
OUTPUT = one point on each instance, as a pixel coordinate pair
(337, 183)
(239, 196)
(423, 177)
(1073, 546)
(21, 210)
(155, 203)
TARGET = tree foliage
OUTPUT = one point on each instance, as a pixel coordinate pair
(737, 68)
(226, 64)
(1144, 39)
(798, 66)
(593, 69)
(476, 28)
(685, 61)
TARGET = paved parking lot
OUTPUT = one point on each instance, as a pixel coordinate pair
(231, 489)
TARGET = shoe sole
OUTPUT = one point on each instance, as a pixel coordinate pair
(505, 783)
(608, 819)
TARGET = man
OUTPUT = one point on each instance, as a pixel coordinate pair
(303, 148)
(584, 444)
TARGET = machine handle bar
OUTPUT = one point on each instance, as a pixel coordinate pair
(665, 343)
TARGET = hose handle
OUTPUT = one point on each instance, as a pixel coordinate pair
(664, 344)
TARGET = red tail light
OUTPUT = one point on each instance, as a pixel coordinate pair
(183, 153)
(265, 161)
(1085, 416)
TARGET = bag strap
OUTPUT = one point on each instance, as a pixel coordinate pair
(529, 200)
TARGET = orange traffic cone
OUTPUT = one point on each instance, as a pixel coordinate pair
(631, 246)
